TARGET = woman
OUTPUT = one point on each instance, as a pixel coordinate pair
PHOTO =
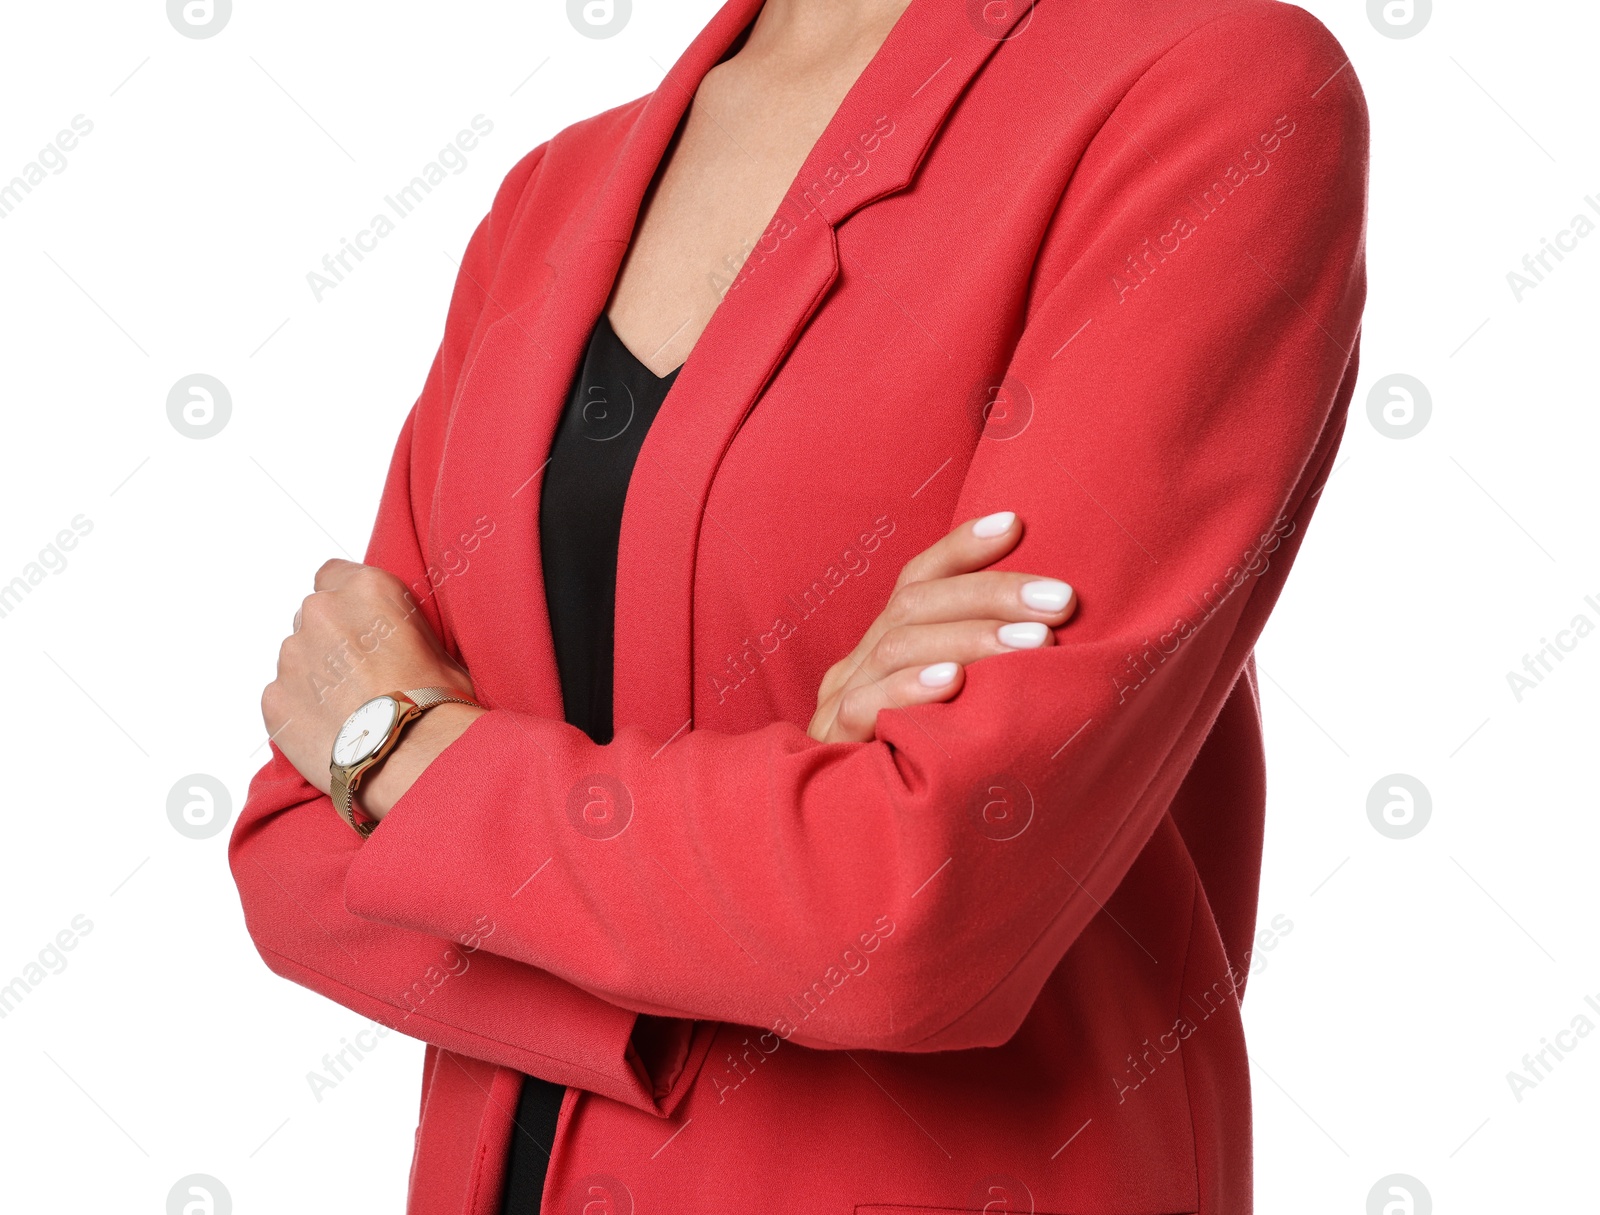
(877, 874)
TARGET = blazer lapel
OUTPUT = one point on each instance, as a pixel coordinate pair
(510, 399)
(895, 107)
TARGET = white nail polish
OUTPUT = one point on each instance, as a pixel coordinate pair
(939, 675)
(1023, 635)
(1046, 595)
(993, 525)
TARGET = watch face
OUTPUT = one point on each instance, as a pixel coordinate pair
(364, 730)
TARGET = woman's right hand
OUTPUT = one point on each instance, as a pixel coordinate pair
(946, 611)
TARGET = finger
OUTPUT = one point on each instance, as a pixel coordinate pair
(986, 595)
(856, 715)
(333, 573)
(972, 595)
(969, 546)
(963, 641)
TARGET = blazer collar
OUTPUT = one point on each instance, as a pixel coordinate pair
(512, 395)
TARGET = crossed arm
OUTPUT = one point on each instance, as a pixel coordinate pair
(767, 853)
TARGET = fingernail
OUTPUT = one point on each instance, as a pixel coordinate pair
(1024, 635)
(1046, 595)
(939, 675)
(996, 524)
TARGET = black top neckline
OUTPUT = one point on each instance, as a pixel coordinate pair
(611, 404)
(622, 349)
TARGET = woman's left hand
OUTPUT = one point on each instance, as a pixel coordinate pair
(356, 636)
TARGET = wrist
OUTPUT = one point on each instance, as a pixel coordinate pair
(422, 742)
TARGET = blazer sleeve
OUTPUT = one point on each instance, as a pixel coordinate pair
(1174, 400)
(290, 853)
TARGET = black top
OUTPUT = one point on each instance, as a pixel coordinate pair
(613, 400)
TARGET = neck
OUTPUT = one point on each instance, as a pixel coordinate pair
(818, 30)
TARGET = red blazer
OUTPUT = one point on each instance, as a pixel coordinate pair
(1101, 264)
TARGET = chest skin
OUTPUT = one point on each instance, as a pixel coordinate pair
(751, 124)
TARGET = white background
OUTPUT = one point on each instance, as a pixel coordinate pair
(1417, 973)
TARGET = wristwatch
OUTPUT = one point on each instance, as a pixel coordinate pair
(368, 735)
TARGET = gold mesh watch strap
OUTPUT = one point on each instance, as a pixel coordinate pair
(426, 698)
(343, 795)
